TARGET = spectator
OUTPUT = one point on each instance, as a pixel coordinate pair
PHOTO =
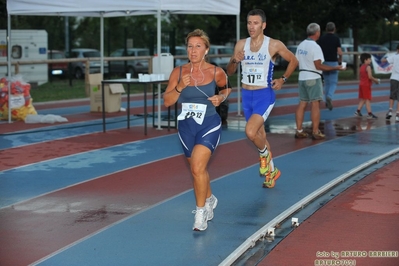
(331, 46)
(310, 57)
(394, 80)
(365, 81)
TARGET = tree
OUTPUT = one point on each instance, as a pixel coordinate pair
(286, 20)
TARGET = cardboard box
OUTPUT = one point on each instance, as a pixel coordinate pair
(112, 95)
(92, 81)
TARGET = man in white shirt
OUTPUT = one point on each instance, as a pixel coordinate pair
(394, 80)
(310, 57)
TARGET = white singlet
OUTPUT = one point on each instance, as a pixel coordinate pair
(257, 67)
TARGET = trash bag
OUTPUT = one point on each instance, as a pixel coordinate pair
(48, 119)
(19, 100)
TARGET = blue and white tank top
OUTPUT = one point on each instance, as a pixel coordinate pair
(199, 95)
(257, 67)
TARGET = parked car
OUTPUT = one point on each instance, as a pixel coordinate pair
(391, 45)
(180, 50)
(370, 48)
(57, 69)
(280, 62)
(363, 48)
(134, 67)
(218, 50)
(78, 68)
(348, 58)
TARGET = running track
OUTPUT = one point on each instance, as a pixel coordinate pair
(72, 195)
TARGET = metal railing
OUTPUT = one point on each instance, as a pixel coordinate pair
(17, 63)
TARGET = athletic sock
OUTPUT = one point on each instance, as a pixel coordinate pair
(208, 199)
(263, 152)
(271, 165)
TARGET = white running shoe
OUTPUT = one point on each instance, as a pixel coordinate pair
(210, 206)
(200, 220)
(388, 115)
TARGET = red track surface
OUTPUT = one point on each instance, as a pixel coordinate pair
(363, 219)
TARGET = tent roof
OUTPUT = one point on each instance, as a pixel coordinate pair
(118, 8)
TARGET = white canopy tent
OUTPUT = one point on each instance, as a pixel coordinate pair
(118, 8)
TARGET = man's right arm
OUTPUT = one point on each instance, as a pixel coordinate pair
(320, 66)
(236, 58)
(339, 53)
(232, 66)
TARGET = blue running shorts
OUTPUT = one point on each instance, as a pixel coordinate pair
(259, 102)
(207, 134)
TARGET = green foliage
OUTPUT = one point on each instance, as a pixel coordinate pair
(369, 21)
(286, 20)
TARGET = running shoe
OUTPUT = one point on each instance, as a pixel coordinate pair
(301, 135)
(389, 115)
(329, 103)
(318, 135)
(264, 164)
(271, 178)
(358, 113)
(210, 206)
(200, 220)
(371, 116)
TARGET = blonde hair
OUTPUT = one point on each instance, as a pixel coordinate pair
(201, 34)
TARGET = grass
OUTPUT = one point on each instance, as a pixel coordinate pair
(58, 90)
(64, 89)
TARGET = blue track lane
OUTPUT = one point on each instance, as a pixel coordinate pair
(162, 234)
(30, 181)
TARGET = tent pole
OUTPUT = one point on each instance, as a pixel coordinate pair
(238, 70)
(102, 42)
(9, 65)
(159, 65)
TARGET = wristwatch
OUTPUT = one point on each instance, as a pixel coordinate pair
(284, 79)
(234, 61)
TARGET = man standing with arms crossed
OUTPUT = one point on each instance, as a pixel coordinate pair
(257, 55)
(331, 46)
